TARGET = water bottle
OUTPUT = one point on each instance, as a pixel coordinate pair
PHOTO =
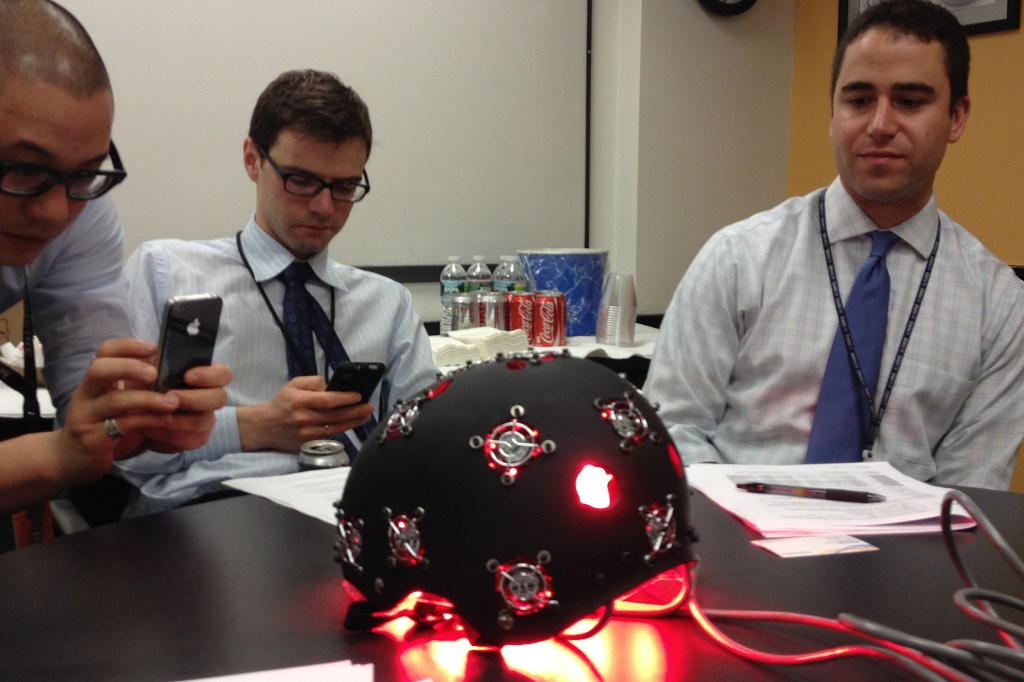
(517, 275)
(453, 281)
(509, 275)
(478, 276)
(499, 279)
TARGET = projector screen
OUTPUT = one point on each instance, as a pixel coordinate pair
(478, 108)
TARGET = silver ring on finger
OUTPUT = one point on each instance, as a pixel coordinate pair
(327, 430)
(110, 425)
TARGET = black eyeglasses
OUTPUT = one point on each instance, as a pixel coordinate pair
(306, 185)
(29, 180)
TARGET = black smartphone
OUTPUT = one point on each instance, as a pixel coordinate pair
(361, 377)
(187, 336)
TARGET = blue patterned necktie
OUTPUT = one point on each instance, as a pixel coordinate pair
(303, 318)
(843, 416)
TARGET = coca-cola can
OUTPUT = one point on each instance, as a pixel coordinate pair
(493, 309)
(549, 318)
(520, 312)
(465, 313)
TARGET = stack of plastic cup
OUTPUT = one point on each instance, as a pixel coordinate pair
(616, 318)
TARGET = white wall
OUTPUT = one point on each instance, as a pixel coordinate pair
(615, 130)
(478, 107)
(689, 115)
(691, 127)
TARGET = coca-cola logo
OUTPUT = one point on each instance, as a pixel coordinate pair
(526, 309)
(548, 328)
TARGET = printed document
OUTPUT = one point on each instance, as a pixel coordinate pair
(910, 506)
(311, 492)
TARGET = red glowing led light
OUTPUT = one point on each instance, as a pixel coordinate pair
(677, 461)
(439, 389)
(593, 487)
(398, 629)
(661, 595)
(441, 661)
(626, 649)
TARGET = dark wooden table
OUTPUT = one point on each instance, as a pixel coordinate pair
(243, 584)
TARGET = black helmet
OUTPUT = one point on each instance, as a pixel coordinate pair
(526, 493)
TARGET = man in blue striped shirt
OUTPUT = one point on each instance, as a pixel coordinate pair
(745, 341)
(308, 144)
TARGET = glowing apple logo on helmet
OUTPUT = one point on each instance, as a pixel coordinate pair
(592, 487)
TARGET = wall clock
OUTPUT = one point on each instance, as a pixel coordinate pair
(727, 7)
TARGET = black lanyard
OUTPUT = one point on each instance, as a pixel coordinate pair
(25, 383)
(28, 343)
(876, 416)
(277, 320)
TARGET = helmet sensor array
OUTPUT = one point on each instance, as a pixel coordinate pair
(523, 493)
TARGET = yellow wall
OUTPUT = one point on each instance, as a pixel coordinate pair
(981, 183)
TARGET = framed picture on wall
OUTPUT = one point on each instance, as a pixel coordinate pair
(977, 16)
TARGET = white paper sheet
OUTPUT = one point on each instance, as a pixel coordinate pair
(910, 506)
(12, 402)
(310, 492)
(814, 545)
(342, 671)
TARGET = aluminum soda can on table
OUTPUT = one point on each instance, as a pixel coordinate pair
(549, 318)
(322, 454)
(493, 309)
(465, 311)
(520, 312)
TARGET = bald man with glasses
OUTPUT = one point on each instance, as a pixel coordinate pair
(61, 254)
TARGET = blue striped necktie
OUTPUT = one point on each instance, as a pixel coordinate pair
(303, 318)
(843, 416)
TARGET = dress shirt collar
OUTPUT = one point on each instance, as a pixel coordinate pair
(269, 258)
(846, 220)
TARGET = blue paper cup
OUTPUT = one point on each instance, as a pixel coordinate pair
(577, 273)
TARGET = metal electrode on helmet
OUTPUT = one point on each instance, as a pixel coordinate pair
(526, 492)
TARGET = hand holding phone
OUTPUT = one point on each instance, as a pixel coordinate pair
(187, 337)
(361, 377)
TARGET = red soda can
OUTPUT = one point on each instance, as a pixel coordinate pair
(549, 318)
(520, 312)
(493, 309)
